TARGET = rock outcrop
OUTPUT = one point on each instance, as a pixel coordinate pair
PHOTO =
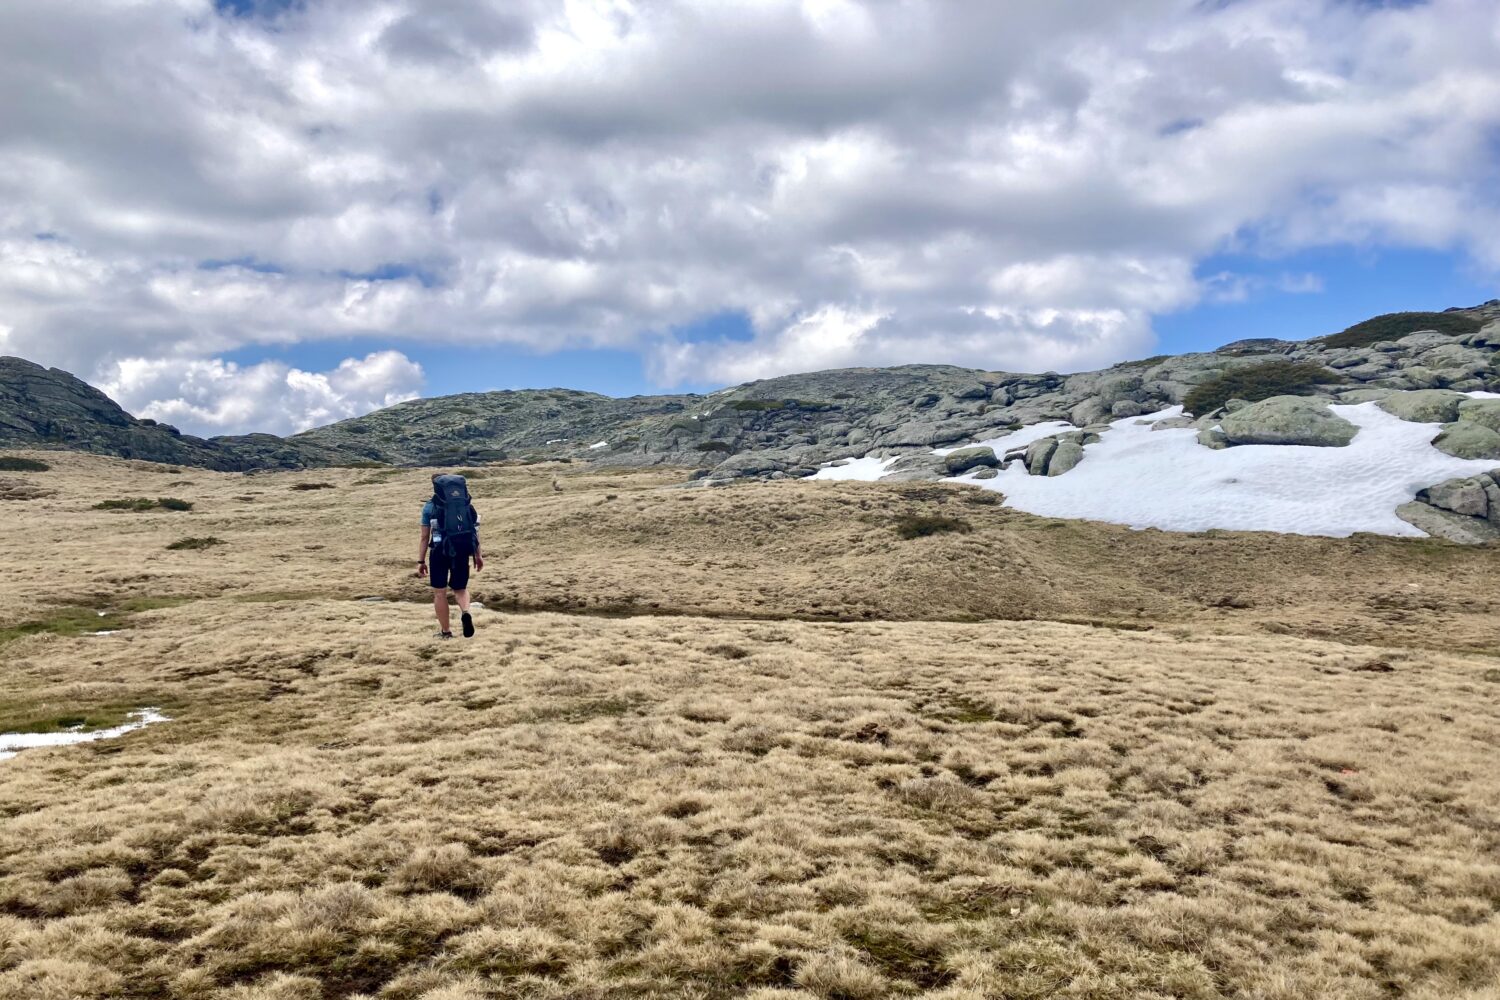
(1465, 510)
(788, 425)
(1287, 420)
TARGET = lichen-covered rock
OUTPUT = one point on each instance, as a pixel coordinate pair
(1173, 423)
(1065, 458)
(1467, 439)
(1461, 496)
(1297, 420)
(1423, 406)
(1485, 412)
(965, 459)
(1445, 524)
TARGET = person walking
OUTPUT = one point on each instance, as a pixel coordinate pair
(450, 536)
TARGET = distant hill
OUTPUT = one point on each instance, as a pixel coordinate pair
(780, 426)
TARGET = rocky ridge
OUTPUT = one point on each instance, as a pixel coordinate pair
(791, 425)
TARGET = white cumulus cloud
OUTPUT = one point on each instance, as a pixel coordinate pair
(211, 396)
(1007, 184)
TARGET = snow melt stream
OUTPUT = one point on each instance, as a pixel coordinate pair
(13, 743)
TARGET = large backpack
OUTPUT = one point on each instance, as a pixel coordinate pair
(451, 510)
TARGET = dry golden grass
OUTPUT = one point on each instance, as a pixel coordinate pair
(726, 800)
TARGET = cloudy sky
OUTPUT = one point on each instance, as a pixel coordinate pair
(263, 215)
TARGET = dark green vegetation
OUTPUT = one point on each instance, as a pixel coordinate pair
(1393, 326)
(1256, 382)
(714, 446)
(1150, 362)
(48, 717)
(195, 543)
(922, 525)
(10, 463)
(74, 621)
(311, 486)
(139, 504)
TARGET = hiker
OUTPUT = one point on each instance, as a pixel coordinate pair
(450, 534)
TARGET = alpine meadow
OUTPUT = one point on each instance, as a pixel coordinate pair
(750, 500)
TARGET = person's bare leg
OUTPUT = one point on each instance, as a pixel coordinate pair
(462, 597)
(440, 605)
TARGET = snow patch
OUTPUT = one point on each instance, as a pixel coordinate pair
(1166, 479)
(598, 444)
(866, 470)
(13, 743)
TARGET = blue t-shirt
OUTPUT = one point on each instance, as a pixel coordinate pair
(429, 516)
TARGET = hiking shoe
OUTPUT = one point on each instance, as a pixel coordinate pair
(468, 621)
(442, 635)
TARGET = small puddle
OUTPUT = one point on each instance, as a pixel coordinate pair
(13, 743)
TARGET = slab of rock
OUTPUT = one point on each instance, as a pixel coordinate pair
(1212, 437)
(1461, 496)
(916, 468)
(1288, 420)
(1481, 411)
(1038, 454)
(1173, 423)
(1441, 523)
(965, 459)
(1364, 394)
(986, 473)
(1065, 458)
(1467, 439)
(1424, 406)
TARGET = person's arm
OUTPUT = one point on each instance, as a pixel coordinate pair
(478, 552)
(422, 552)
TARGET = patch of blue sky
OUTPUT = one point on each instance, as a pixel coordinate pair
(1317, 292)
(395, 272)
(731, 324)
(255, 8)
(450, 368)
(248, 263)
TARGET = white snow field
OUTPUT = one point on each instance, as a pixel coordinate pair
(865, 469)
(1166, 479)
(13, 743)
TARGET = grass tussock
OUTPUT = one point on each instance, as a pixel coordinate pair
(14, 463)
(731, 768)
(922, 525)
(1253, 383)
(571, 807)
(142, 504)
(304, 487)
(1394, 326)
(206, 542)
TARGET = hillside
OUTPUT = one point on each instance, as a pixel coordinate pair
(750, 742)
(788, 425)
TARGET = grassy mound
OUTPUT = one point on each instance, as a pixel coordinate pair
(922, 525)
(10, 463)
(1257, 382)
(139, 504)
(207, 542)
(1392, 326)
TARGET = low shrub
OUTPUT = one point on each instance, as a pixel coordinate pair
(10, 463)
(1256, 382)
(1393, 326)
(195, 543)
(139, 504)
(1150, 362)
(311, 486)
(756, 404)
(922, 525)
(714, 446)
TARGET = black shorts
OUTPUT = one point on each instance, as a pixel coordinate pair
(448, 571)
